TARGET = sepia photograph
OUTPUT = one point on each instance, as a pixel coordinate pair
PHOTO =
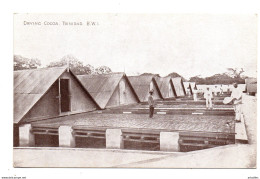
(144, 90)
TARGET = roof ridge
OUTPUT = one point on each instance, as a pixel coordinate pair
(38, 69)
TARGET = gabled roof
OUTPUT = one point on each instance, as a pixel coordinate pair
(141, 85)
(163, 84)
(101, 87)
(178, 84)
(186, 85)
(193, 85)
(30, 86)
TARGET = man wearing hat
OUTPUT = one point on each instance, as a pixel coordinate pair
(151, 104)
(236, 95)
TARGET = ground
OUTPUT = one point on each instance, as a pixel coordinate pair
(229, 156)
(142, 121)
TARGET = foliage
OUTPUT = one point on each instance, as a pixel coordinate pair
(78, 67)
(102, 70)
(150, 74)
(22, 63)
(235, 72)
(223, 78)
(174, 75)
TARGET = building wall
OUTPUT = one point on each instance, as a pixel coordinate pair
(114, 100)
(80, 101)
(48, 105)
(129, 93)
(179, 89)
(170, 94)
(129, 97)
(155, 92)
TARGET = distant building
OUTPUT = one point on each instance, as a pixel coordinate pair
(109, 90)
(166, 87)
(187, 87)
(143, 84)
(179, 86)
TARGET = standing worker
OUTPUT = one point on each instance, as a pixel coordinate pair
(237, 101)
(195, 94)
(208, 96)
(151, 104)
(216, 91)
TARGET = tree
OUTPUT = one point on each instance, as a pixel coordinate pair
(74, 64)
(174, 75)
(150, 74)
(235, 72)
(198, 80)
(22, 63)
(103, 70)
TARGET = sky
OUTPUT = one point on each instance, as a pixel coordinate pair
(189, 44)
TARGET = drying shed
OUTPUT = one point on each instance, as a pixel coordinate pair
(166, 87)
(48, 92)
(251, 85)
(179, 86)
(187, 87)
(143, 84)
(193, 86)
(109, 90)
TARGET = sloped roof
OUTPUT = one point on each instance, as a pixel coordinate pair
(178, 84)
(101, 87)
(163, 84)
(141, 85)
(186, 85)
(30, 86)
(193, 85)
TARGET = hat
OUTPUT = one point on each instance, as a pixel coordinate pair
(227, 100)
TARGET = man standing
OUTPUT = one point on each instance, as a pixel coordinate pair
(195, 94)
(237, 101)
(208, 95)
(151, 104)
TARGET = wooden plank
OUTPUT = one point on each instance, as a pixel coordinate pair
(203, 139)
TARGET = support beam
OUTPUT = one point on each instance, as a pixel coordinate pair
(66, 138)
(114, 139)
(169, 141)
(26, 137)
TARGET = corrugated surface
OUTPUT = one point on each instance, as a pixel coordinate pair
(178, 85)
(101, 87)
(141, 85)
(30, 86)
(163, 84)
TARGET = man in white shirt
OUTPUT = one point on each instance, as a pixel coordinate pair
(208, 96)
(237, 101)
(195, 94)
